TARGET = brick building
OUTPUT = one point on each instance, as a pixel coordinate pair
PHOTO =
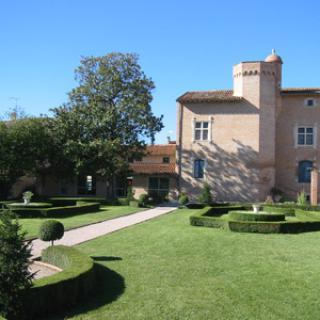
(248, 140)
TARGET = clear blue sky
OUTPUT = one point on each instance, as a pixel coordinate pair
(183, 45)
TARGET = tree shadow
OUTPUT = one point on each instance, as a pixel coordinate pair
(110, 285)
(105, 258)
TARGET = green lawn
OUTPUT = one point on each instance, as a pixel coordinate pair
(31, 226)
(167, 269)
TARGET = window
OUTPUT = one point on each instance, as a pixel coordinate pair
(304, 171)
(86, 184)
(201, 131)
(198, 168)
(165, 160)
(310, 102)
(305, 136)
(158, 187)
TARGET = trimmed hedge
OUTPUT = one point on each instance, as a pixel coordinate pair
(210, 217)
(64, 289)
(289, 212)
(32, 205)
(201, 219)
(58, 211)
(250, 216)
(307, 215)
(274, 227)
(70, 201)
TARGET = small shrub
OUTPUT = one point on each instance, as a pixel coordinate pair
(143, 200)
(302, 198)
(51, 230)
(130, 194)
(183, 199)
(15, 277)
(205, 196)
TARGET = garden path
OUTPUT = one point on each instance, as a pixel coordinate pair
(83, 234)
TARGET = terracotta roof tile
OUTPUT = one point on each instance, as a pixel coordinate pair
(300, 91)
(153, 168)
(209, 96)
(162, 150)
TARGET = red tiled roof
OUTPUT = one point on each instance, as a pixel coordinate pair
(162, 150)
(300, 91)
(153, 168)
(209, 96)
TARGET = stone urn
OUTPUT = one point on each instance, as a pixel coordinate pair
(256, 208)
(27, 197)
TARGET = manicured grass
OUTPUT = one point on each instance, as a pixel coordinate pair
(31, 226)
(167, 269)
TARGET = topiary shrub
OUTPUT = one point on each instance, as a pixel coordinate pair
(51, 230)
(15, 277)
(205, 196)
(143, 200)
(183, 199)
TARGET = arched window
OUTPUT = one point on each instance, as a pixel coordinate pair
(198, 168)
(304, 171)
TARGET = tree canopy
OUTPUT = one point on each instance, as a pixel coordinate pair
(108, 116)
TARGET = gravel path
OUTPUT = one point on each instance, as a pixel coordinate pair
(96, 230)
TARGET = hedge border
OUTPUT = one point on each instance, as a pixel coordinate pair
(57, 211)
(206, 217)
(62, 290)
(288, 212)
(261, 216)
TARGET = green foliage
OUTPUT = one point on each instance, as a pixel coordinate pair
(64, 289)
(14, 274)
(130, 193)
(27, 147)
(261, 216)
(213, 217)
(302, 198)
(286, 211)
(80, 208)
(143, 200)
(51, 230)
(107, 117)
(205, 196)
(183, 199)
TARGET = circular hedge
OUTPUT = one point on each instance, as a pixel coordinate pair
(51, 230)
(250, 216)
(33, 205)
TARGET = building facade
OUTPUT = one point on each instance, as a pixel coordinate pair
(155, 174)
(246, 141)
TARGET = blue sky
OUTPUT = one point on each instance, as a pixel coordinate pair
(183, 45)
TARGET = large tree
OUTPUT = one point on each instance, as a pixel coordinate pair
(108, 116)
(27, 147)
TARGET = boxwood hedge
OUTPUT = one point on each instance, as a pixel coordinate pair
(261, 216)
(211, 217)
(57, 211)
(286, 211)
(64, 289)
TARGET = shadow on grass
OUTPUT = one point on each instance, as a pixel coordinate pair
(105, 258)
(110, 285)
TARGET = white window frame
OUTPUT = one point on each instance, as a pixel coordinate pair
(305, 127)
(201, 129)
